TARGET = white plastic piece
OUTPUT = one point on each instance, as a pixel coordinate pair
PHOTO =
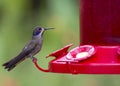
(81, 53)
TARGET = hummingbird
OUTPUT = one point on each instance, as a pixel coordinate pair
(31, 49)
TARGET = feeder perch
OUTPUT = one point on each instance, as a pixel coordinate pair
(99, 49)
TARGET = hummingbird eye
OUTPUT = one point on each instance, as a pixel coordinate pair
(40, 29)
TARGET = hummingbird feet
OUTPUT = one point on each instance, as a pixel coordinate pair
(34, 59)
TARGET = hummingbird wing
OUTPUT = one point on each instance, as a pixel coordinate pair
(19, 58)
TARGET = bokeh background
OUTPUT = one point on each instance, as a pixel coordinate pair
(17, 20)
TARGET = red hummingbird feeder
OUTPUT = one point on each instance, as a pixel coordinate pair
(99, 49)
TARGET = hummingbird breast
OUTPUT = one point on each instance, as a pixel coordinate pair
(37, 47)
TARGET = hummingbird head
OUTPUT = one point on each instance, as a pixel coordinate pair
(38, 31)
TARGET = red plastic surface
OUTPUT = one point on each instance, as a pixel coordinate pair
(100, 22)
(38, 67)
(104, 60)
(99, 50)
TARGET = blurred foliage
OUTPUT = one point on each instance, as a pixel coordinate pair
(17, 20)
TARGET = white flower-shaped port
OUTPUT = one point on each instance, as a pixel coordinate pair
(81, 53)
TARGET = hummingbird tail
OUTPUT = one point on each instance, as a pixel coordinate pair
(13, 62)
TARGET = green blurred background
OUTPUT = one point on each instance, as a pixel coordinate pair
(17, 20)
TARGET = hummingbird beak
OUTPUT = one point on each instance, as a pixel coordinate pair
(48, 28)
